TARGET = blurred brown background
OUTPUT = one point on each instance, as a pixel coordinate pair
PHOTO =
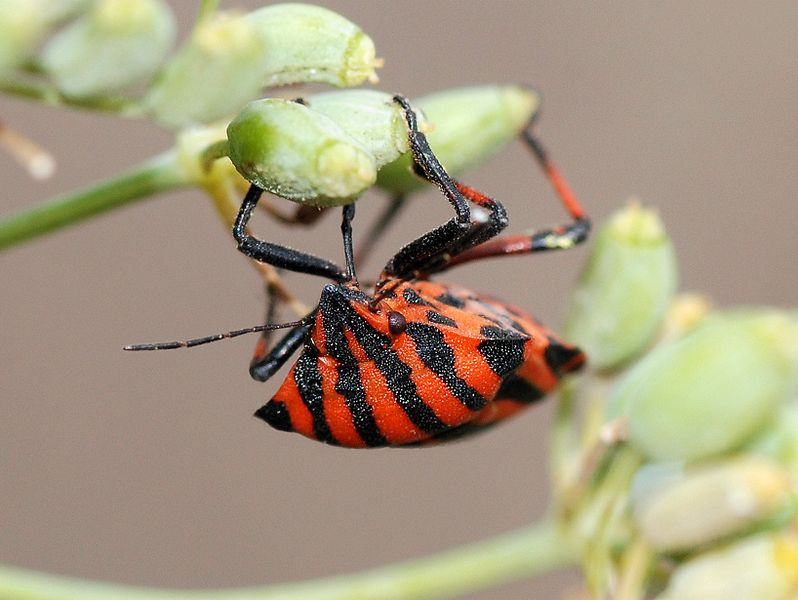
(149, 469)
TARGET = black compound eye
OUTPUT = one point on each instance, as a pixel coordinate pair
(396, 322)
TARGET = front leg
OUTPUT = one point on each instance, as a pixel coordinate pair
(281, 257)
(414, 255)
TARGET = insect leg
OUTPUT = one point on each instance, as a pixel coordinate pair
(346, 233)
(264, 365)
(433, 243)
(274, 254)
(481, 231)
(555, 238)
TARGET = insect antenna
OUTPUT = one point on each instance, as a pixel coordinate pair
(212, 338)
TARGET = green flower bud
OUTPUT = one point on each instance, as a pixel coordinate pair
(294, 152)
(711, 391)
(193, 143)
(23, 24)
(115, 44)
(370, 117)
(55, 11)
(310, 44)
(684, 313)
(764, 567)
(780, 440)
(213, 75)
(468, 125)
(624, 290)
(706, 503)
(201, 156)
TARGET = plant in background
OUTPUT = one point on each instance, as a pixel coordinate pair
(674, 456)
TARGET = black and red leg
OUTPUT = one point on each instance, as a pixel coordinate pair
(555, 238)
(461, 231)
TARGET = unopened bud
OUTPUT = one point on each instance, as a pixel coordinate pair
(780, 440)
(23, 24)
(55, 11)
(192, 145)
(370, 117)
(624, 290)
(684, 313)
(311, 44)
(764, 567)
(296, 153)
(467, 126)
(709, 502)
(213, 75)
(712, 390)
(115, 44)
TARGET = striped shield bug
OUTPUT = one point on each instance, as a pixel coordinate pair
(412, 361)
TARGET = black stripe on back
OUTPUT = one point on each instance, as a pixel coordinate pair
(558, 356)
(436, 317)
(275, 414)
(397, 375)
(411, 296)
(438, 356)
(308, 382)
(503, 349)
(450, 300)
(350, 384)
(519, 389)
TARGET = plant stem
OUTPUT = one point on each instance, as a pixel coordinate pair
(49, 95)
(158, 174)
(516, 555)
(207, 7)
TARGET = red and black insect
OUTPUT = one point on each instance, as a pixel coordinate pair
(413, 361)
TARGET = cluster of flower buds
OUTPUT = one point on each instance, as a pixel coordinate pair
(323, 150)
(230, 57)
(329, 148)
(101, 48)
(696, 490)
(25, 23)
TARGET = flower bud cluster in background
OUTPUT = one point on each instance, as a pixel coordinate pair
(679, 476)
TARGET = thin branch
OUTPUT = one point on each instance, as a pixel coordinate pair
(517, 555)
(207, 7)
(158, 174)
(47, 94)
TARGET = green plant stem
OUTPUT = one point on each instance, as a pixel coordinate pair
(47, 94)
(561, 444)
(207, 7)
(158, 174)
(516, 555)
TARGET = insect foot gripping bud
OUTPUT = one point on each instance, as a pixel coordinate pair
(370, 117)
(291, 151)
(712, 390)
(116, 43)
(763, 567)
(467, 126)
(213, 75)
(624, 290)
(707, 503)
(310, 44)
